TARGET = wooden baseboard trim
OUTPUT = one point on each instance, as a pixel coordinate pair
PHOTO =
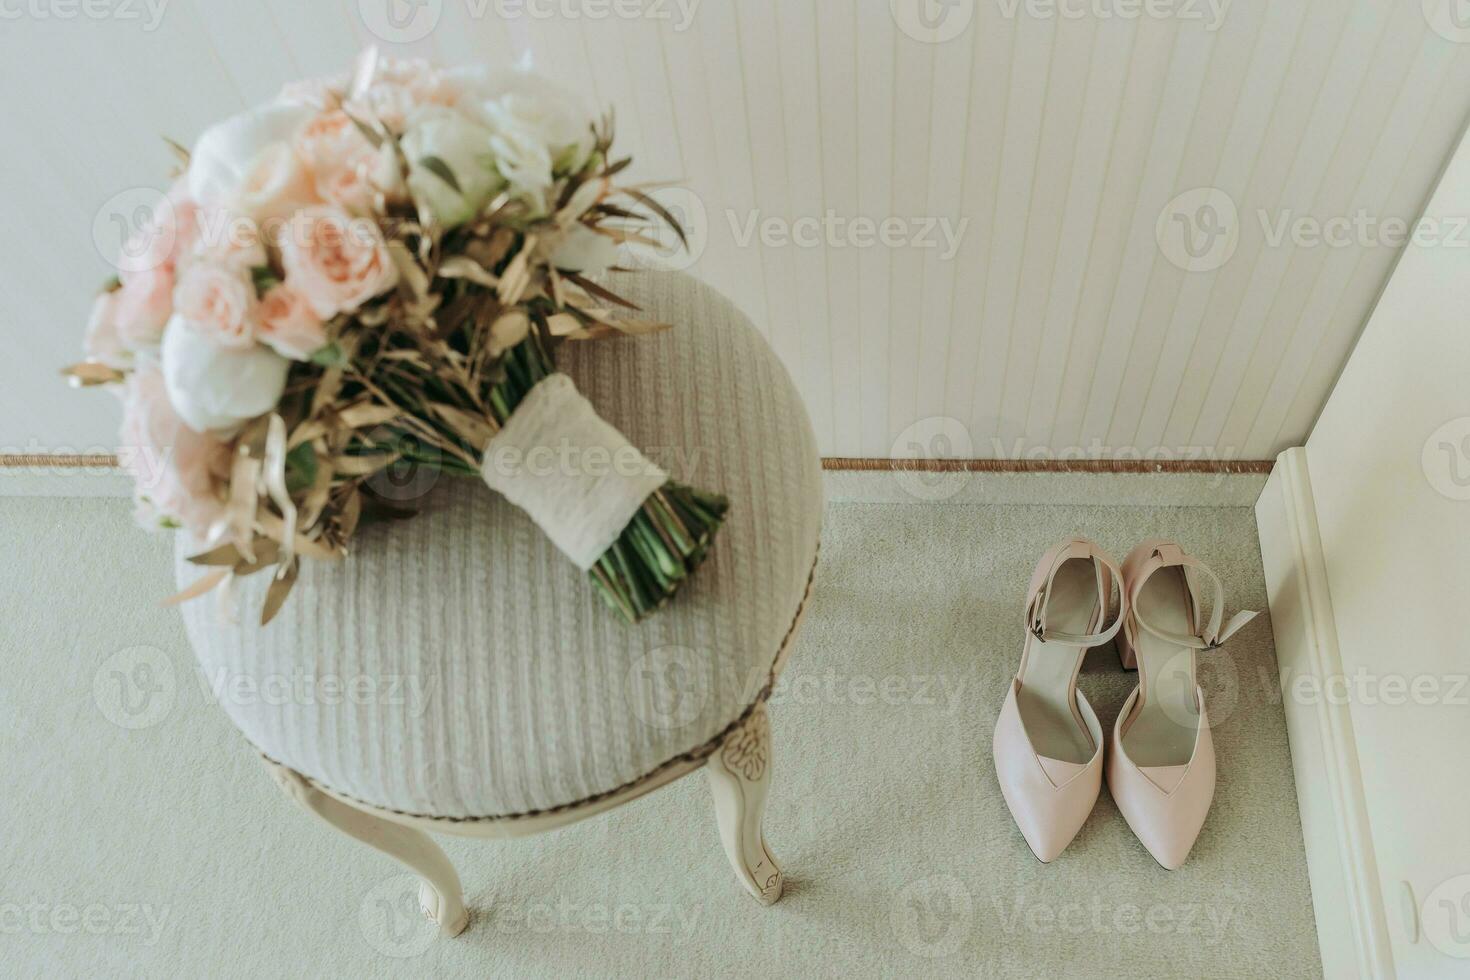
(89, 461)
(840, 463)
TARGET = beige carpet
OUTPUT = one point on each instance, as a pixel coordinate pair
(165, 850)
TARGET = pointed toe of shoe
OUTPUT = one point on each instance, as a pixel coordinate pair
(1048, 798)
(1045, 834)
(1165, 806)
(1168, 844)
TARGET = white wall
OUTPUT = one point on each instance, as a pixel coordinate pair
(1056, 142)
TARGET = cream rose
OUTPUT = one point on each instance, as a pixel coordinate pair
(288, 324)
(464, 147)
(213, 387)
(539, 130)
(247, 163)
(219, 303)
(335, 261)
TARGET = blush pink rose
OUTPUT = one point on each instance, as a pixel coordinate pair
(288, 324)
(144, 304)
(230, 239)
(218, 302)
(399, 87)
(168, 232)
(344, 167)
(336, 262)
(276, 184)
(322, 92)
(177, 472)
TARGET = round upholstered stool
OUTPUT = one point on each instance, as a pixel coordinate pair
(458, 674)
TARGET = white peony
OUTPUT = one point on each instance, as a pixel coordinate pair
(538, 130)
(464, 147)
(214, 387)
(246, 162)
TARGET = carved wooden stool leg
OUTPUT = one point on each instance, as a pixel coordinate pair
(439, 890)
(739, 776)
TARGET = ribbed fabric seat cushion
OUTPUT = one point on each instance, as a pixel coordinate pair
(457, 665)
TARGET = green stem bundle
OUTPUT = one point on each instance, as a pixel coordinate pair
(668, 537)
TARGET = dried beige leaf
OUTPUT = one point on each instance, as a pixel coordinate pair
(90, 373)
(199, 587)
(475, 431)
(508, 330)
(408, 267)
(462, 267)
(280, 587)
(363, 465)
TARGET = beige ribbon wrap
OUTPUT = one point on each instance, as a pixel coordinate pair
(574, 474)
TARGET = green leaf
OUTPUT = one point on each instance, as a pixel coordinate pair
(300, 468)
(440, 169)
(331, 355)
(264, 279)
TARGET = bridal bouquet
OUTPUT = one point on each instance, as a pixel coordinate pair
(375, 270)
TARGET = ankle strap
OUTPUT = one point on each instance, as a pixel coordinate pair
(1212, 636)
(1036, 606)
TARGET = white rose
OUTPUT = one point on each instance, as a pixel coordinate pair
(214, 387)
(539, 130)
(464, 147)
(584, 251)
(246, 163)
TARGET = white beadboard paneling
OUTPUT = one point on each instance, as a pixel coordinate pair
(1267, 58)
(1107, 72)
(876, 107)
(837, 72)
(1010, 227)
(1053, 142)
(1066, 91)
(995, 45)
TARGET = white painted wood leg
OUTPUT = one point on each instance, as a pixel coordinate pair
(739, 776)
(440, 895)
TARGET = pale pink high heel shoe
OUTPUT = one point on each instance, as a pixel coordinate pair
(1048, 743)
(1161, 757)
